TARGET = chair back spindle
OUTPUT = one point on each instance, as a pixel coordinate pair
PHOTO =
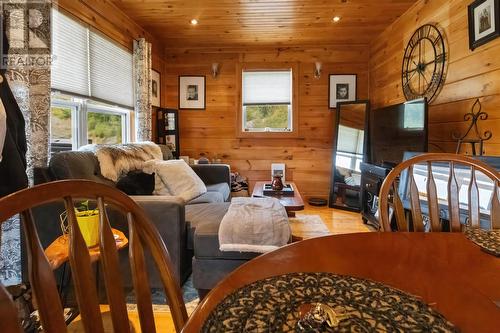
(140, 279)
(416, 209)
(473, 195)
(82, 274)
(432, 200)
(453, 199)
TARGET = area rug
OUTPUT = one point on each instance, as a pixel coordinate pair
(308, 226)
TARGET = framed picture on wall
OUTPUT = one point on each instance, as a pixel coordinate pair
(192, 92)
(484, 22)
(342, 88)
(156, 88)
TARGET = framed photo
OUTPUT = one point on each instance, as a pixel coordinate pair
(278, 169)
(342, 88)
(171, 142)
(155, 88)
(484, 22)
(192, 92)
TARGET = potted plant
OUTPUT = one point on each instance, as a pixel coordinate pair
(88, 221)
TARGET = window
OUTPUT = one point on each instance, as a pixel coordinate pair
(92, 84)
(414, 117)
(267, 101)
(75, 122)
(89, 64)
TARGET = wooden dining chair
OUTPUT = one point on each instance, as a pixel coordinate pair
(390, 201)
(142, 235)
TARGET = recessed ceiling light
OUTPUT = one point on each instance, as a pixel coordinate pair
(194, 21)
(336, 19)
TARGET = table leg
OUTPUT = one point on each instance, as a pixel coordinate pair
(290, 213)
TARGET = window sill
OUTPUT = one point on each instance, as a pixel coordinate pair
(268, 135)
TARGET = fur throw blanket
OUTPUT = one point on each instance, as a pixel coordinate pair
(115, 160)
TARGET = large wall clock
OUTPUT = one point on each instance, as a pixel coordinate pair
(424, 62)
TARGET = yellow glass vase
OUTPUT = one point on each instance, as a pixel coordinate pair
(88, 221)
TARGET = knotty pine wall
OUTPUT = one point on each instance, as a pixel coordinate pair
(212, 132)
(471, 74)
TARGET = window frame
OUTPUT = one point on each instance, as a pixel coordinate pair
(80, 107)
(264, 67)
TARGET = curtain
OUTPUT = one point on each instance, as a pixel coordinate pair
(31, 88)
(28, 29)
(143, 92)
(28, 62)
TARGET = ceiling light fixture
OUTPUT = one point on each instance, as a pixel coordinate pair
(194, 21)
(336, 19)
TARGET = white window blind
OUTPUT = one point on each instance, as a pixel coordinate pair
(350, 140)
(69, 47)
(110, 71)
(270, 87)
(88, 64)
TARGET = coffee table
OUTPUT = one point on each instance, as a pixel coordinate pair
(291, 203)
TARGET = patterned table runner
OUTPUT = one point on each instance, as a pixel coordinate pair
(272, 305)
(488, 240)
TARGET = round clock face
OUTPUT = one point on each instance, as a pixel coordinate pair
(424, 63)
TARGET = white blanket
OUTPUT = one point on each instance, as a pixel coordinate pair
(254, 225)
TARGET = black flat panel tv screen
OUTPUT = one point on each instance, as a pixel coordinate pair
(396, 129)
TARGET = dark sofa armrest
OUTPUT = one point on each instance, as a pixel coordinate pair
(213, 173)
(42, 175)
(168, 216)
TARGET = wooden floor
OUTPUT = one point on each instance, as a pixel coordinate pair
(337, 221)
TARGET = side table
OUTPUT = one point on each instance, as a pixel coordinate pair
(58, 254)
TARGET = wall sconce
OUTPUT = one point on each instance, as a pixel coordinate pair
(215, 70)
(317, 69)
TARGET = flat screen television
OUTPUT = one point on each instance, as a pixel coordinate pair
(396, 129)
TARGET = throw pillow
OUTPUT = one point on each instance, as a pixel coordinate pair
(176, 178)
(137, 183)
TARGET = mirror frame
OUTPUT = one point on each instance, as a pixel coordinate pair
(331, 199)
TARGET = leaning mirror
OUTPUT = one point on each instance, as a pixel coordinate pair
(349, 150)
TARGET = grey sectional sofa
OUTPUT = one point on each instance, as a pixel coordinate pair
(175, 220)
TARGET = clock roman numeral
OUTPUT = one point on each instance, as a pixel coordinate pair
(440, 57)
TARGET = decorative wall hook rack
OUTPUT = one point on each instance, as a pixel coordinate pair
(474, 116)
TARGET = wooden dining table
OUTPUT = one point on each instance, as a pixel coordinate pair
(445, 270)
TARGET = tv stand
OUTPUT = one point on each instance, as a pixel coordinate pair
(372, 177)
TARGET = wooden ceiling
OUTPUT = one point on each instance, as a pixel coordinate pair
(236, 23)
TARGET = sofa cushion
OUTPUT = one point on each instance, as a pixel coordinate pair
(215, 193)
(203, 213)
(208, 197)
(137, 183)
(222, 188)
(77, 165)
(177, 177)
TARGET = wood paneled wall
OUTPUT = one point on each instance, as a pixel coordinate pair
(212, 133)
(471, 74)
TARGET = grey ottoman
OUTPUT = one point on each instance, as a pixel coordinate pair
(209, 264)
